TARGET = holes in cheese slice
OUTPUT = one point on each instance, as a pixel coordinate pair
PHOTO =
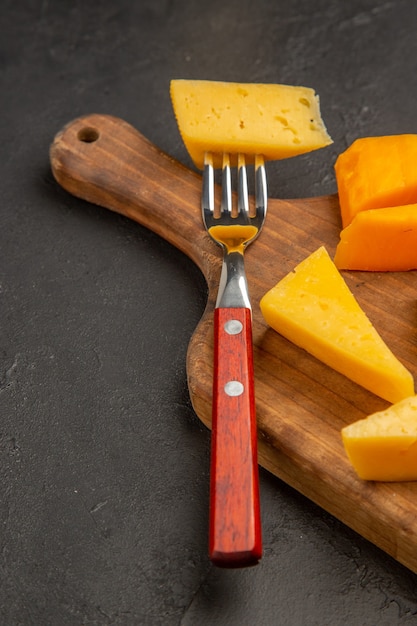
(276, 121)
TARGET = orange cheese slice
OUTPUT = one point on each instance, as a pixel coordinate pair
(377, 186)
(383, 446)
(314, 308)
(380, 240)
(276, 121)
(376, 172)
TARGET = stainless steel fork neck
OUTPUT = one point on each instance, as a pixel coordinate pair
(233, 287)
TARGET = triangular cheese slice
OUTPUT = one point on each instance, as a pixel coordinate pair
(384, 445)
(314, 308)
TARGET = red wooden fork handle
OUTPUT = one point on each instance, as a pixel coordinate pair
(235, 526)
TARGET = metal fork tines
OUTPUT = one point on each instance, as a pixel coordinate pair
(235, 530)
(233, 286)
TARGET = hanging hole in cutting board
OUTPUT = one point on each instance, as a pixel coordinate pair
(88, 134)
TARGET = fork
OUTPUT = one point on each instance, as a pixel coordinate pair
(234, 521)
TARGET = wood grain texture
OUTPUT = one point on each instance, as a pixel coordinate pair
(235, 524)
(301, 404)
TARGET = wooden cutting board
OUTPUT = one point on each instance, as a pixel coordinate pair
(301, 403)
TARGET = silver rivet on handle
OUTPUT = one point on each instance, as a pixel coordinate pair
(234, 388)
(233, 327)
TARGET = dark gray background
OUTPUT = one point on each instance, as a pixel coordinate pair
(103, 463)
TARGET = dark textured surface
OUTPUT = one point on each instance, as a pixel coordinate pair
(103, 464)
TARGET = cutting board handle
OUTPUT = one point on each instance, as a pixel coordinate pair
(105, 161)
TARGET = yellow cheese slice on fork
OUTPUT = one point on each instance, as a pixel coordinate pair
(276, 121)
